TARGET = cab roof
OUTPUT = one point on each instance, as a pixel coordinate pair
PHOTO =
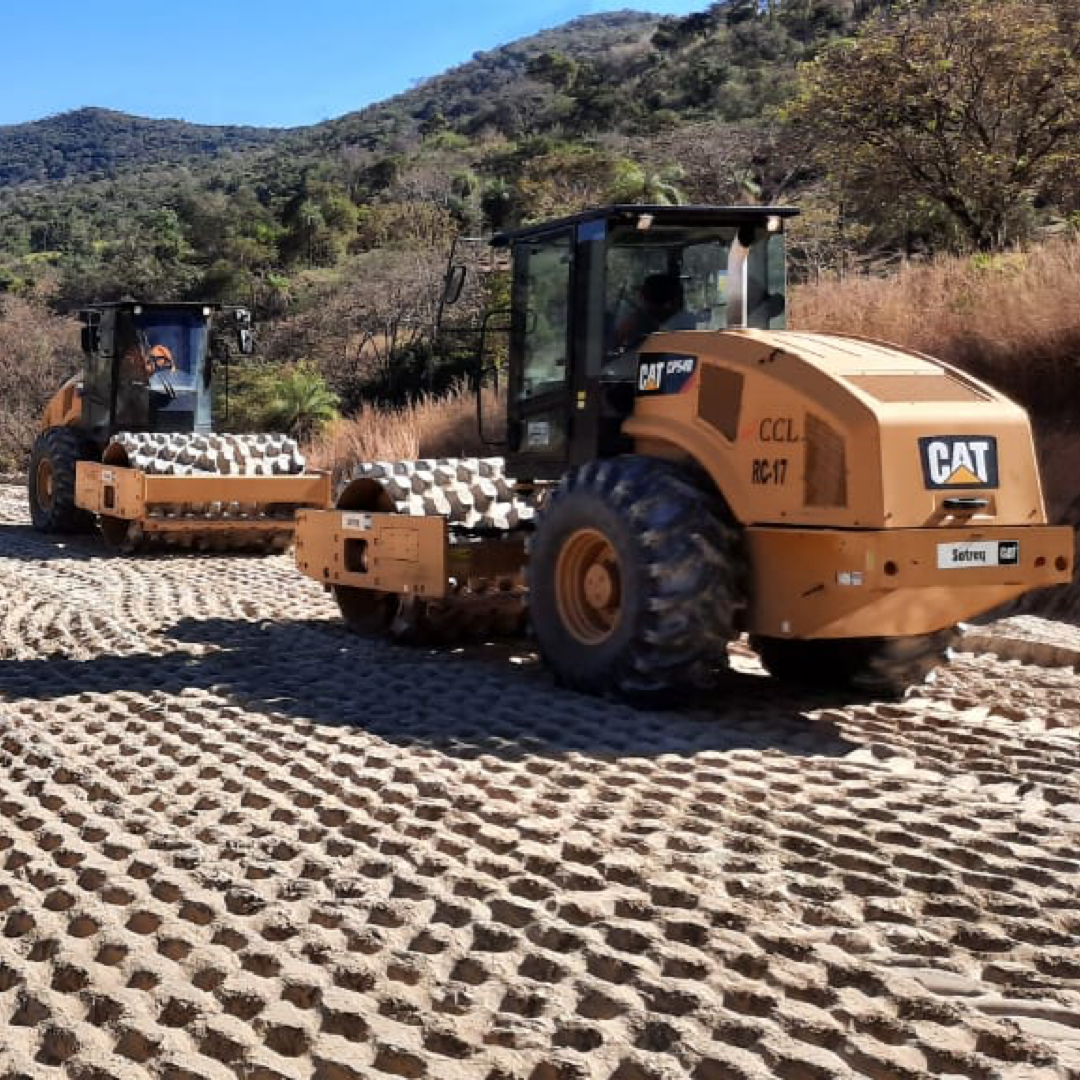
(622, 213)
(152, 305)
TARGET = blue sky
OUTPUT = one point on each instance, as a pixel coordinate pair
(270, 63)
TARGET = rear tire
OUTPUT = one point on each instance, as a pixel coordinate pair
(883, 666)
(51, 482)
(635, 581)
(366, 611)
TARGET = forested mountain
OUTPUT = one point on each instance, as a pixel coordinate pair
(622, 71)
(496, 90)
(90, 144)
(619, 105)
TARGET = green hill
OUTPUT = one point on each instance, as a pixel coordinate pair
(92, 143)
(621, 106)
(489, 91)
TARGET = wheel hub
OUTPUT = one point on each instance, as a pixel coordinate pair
(601, 586)
(44, 485)
(588, 586)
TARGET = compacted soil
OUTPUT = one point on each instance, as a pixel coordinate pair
(239, 843)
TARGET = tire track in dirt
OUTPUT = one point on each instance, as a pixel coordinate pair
(237, 842)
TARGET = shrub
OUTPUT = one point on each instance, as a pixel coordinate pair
(302, 405)
(38, 351)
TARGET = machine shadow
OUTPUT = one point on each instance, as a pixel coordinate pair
(24, 541)
(483, 699)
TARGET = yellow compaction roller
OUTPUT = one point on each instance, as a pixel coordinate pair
(128, 443)
(702, 472)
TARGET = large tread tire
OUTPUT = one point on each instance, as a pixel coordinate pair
(636, 581)
(51, 482)
(881, 666)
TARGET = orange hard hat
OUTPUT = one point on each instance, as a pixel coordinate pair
(161, 352)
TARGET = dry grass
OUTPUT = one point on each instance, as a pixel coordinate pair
(433, 427)
(1013, 320)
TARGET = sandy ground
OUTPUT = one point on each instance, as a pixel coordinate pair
(237, 842)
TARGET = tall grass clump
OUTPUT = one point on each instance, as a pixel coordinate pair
(428, 428)
(1011, 319)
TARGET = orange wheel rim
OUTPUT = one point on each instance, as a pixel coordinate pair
(45, 483)
(588, 586)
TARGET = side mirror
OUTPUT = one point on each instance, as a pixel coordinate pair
(91, 339)
(774, 305)
(455, 282)
(245, 338)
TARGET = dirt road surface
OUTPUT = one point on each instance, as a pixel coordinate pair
(237, 843)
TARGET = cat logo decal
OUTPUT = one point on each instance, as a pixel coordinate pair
(959, 461)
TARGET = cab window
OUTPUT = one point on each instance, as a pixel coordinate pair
(544, 315)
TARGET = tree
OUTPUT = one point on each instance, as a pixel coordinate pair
(38, 351)
(971, 104)
(555, 68)
(633, 183)
(303, 405)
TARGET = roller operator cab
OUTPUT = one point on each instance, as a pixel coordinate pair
(706, 472)
(144, 397)
(147, 367)
(587, 291)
